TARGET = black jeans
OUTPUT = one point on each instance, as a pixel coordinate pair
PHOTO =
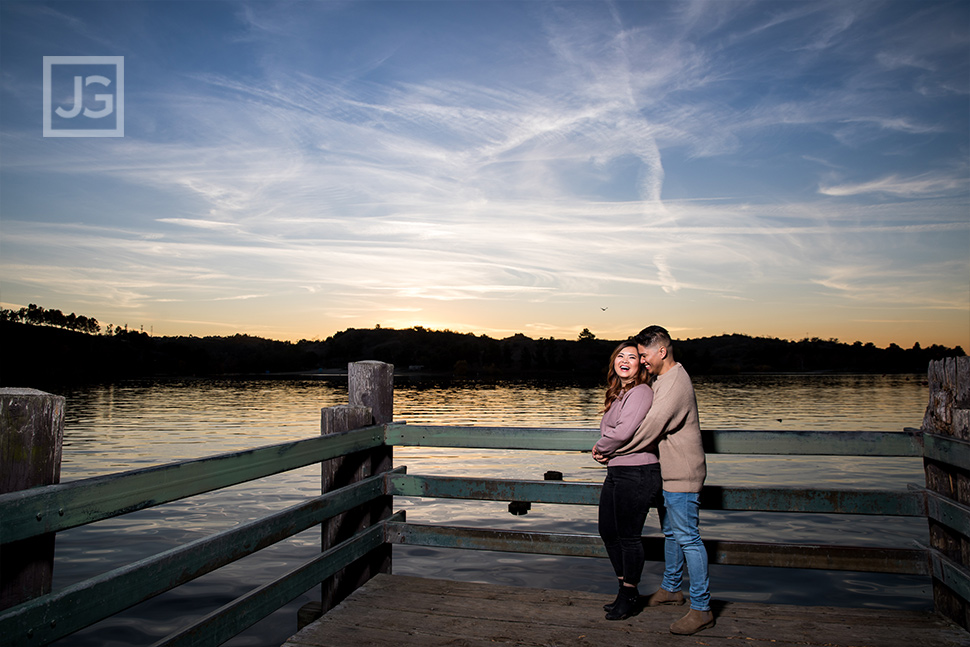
(628, 492)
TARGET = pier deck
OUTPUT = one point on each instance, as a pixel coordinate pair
(421, 612)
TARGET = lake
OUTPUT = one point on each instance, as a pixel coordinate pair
(134, 424)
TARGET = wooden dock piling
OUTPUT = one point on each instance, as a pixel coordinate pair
(31, 437)
(371, 395)
(946, 461)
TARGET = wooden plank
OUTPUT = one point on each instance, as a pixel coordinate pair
(818, 443)
(815, 443)
(58, 507)
(952, 574)
(904, 561)
(912, 561)
(536, 438)
(906, 503)
(948, 450)
(446, 487)
(948, 512)
(512, 541)
(410, 611)
(713, 497)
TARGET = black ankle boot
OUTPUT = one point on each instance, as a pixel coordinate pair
(619, 594)
(626, 604)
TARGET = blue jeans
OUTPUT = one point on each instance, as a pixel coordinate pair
(680, 522)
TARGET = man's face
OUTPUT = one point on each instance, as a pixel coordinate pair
(652, 357)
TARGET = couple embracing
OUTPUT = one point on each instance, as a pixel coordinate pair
(650, 441)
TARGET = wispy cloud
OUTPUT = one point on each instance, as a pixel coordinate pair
(923, 185)
(684, 153)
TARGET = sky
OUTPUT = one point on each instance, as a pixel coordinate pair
(289, 170)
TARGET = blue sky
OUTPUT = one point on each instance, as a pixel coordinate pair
(785, 168)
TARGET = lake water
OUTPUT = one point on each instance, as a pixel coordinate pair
(129, 425)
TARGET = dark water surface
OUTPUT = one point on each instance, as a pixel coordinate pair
(116, 427)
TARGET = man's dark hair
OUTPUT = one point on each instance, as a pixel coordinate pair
(655, 335)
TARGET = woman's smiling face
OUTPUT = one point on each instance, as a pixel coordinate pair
(627, 364)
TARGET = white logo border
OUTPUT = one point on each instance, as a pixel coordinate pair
(119, 63)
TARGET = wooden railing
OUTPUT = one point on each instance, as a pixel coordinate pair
(37, 511)
(903, 560)
(359, 527)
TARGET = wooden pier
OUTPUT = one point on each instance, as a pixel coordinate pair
(409, 611)
(364, 604)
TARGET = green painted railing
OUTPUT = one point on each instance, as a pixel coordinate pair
(28, 513)
(822, 443)
(714, 497)
(915, 501)
(31, 513)
(36, 511)
(911, 502)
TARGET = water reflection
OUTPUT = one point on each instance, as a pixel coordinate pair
(122, 426)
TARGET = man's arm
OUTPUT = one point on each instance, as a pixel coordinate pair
(633, 410)
(669, 409)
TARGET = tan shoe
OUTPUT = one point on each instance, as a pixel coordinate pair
(662, 596)
(693, 622)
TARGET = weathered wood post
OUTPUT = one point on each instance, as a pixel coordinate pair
(31, 437)
(371, 384)
(371, 395)
(946, 461)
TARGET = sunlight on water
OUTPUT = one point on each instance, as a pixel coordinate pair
(130, 425)
(124, 426)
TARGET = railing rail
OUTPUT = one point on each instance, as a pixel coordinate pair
(807, 443)
(908, 561)
(910, 503)
(36, 511)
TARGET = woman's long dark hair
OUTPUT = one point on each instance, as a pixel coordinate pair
(615, 388)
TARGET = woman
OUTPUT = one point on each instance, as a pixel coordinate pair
(632, 481)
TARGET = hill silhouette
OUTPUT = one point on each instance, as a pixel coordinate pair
(36, 355)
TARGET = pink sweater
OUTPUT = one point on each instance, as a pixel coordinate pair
(619, 424)
(673, 425)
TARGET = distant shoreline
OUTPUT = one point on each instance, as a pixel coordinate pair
(44, 354)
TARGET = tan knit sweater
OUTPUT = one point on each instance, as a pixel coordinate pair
(673, 424)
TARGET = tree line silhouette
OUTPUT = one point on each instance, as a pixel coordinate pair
(38, 316)
(47, 350)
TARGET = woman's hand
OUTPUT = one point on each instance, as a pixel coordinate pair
(598, 457)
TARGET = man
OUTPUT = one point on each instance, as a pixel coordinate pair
(673, 424)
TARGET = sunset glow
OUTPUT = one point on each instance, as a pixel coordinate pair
(290, 170)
